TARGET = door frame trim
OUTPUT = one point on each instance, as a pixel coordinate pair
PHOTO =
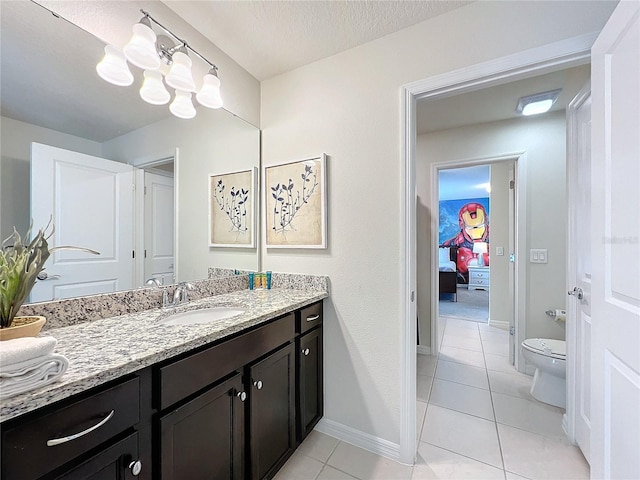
(536, 61)
(520, 227)
(569, 418)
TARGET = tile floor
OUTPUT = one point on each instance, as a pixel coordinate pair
(476, 420)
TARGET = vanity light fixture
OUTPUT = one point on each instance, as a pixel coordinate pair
(150, 52)
(537, 103)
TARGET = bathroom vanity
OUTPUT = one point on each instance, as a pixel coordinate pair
(231, 401)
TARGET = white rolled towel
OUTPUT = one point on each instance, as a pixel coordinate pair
(29, 374)
(21, 349)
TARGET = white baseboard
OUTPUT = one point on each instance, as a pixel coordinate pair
(360, 439)
(424, 350)
(499, 324)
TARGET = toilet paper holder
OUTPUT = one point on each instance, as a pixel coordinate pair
(557, 314)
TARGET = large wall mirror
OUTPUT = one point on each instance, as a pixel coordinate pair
(52, 96)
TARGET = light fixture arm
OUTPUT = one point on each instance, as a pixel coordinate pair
(181, 45)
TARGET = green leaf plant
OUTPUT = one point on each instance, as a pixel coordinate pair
(20, 264)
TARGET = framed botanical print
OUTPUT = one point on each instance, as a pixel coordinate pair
(296, 204)
(232, 198)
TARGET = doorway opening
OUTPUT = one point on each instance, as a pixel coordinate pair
(537, 61)
(155, 227)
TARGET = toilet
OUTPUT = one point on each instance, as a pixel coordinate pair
(549, 379)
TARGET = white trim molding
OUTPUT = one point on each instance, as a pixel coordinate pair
(374, 444)
(536, 61)
(499, 324)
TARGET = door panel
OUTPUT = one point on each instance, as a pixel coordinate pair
(159, 227)
(615, 418)
(90, 201)
(272, 429)
(203, 439)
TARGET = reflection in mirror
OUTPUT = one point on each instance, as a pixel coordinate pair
(102, 136)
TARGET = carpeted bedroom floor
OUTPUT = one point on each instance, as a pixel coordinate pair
(471, 305)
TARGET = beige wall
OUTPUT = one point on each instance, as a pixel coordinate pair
(544, 141)
(349, 106)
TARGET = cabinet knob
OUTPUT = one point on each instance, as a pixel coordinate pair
(242, 396)
(135, 467)
(305, 352)
(258, 384)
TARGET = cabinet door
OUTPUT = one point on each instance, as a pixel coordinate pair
(204, 438)
(110, 464)
(310, 398)
(272, 412)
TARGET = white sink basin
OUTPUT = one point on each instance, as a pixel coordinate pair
(203, 316)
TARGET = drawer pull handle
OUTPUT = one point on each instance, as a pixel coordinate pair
(313, 318)
(58, 441)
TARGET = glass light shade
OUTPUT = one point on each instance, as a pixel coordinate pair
(182, 106)
(141, 49)
(180, 77)
(153, 90)
(537, 107)
(113, 67)
(209, 94)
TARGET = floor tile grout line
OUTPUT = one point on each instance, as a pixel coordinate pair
(463, 455)
(493, 408)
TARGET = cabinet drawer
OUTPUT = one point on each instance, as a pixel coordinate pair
(184, 377)
(310, 317)
(479, 281)
(25, 453)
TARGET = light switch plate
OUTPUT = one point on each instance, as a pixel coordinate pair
(500, 251)
(538, 255)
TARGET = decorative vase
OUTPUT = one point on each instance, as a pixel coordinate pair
(22, 327)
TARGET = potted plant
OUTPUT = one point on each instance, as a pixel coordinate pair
(20, 264)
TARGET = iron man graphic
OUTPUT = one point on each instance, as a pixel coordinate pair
(474, 227)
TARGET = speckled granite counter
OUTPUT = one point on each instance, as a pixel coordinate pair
(105, 349)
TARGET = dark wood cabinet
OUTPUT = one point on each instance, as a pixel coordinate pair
(117, 462)
(204, 438)
(236, 409)
(272, 412)
(46, 440)
(309, 382)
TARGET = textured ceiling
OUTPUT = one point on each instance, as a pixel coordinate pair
(271, 37)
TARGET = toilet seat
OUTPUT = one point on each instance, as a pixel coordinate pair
(547, 347)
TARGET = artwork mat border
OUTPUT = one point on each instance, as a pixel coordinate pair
(323, 202)
(253, 205)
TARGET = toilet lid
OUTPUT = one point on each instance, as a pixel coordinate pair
(546, 346)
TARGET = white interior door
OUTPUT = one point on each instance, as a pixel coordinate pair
(579, 269)
(159, 259)
(615, 307)
(90, 201)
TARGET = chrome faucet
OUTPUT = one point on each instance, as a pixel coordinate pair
(180, 294)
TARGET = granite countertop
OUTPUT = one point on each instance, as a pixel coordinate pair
(105, 349)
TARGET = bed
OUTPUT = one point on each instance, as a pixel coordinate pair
(448, 270)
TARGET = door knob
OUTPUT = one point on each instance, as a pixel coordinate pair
(576, 292)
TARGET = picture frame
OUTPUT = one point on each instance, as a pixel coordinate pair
(296, 204)
(232, 209)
